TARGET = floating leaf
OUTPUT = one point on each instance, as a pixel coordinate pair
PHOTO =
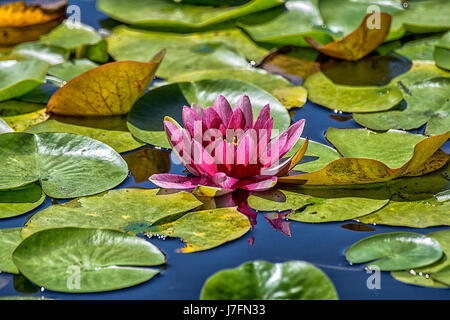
(206, 229)
(70, 69)
(145, 121)
(42, 93)
(430, 276)
(66, 165)
(17, 201)
(307, 208)
(114, 209)
(146, 162)
(101, 259)
(362, 41)
(425, 157)
(20, 77)
(71, 35)
(323, 91)
(9, 240)
(21, 115)
(421, 49)
(39, 51)
(111, 131)
(110, 89)
(20, 22)
(441, 54)
(290, 96)
(167, 13)
(287, 25)
(260, 280)
(185, 52)
(395, 251)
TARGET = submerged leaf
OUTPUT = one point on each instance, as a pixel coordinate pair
(260, 280)
(17, 201)
(100, 258)
(21, 115)
(356, 45)
(66, 165)
(395, 251)
(110, 89)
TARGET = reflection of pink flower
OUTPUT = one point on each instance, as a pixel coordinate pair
(223, 148)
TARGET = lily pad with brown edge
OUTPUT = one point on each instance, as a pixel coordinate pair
(260, 280)
(441, 53)
(323, 91)
(372, 31)
(202, 230)
(100, 258)
(71, 35)
(430, 276)
(112, 130)
(168, 13)
(306, 208)
(21, 22)
(66, 165)
(209, 50)
(289, 95)
(288, 24)
(113, 210)
(21, 115)
(147, 161)
(9, 240)
(68, 70)
(107, 90)
(20, 77)
(145, 120)
(423, 83)
(421, 158)
(395, 251)
(17, 201)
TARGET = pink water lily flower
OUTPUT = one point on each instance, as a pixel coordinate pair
(224, 149)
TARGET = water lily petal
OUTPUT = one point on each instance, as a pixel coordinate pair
(223, 181)
(197, 109)
(263, 116)
(223, 109)
(189, 118)
(202, 159)
(175, 181)
(245, 105)
(258, 183)
(211, 119)
(237, 120)
(293, 134)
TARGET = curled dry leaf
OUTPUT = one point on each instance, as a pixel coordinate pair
(20, 22)
(110, 89)
(356, 45)
(427, 157)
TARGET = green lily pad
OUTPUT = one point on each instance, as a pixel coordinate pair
(36, 50)
(415, 214)
(70, 35)
(70, 69)
(288, 25)
(260, 280)
(42, 93)
(20, 77)
(203, 230)
(114, 210)
(430, 276)
(421, 49)
(9, 240)
(316, 156)
(17, 201)
(66, 165)
(307, 208)
(425, 88)
(441, 54)
(393, 148)
(21, 115)
(290, 96)
(167, 13)
(118, 138)
(323, 91)
(99, 259)
(145, 120)
(395, 251)
(185, 52)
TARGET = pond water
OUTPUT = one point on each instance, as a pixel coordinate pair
(320, 244)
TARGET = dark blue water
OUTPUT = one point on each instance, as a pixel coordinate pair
(321, 244)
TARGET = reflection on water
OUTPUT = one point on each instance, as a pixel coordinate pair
(358, 227)
(147, 161)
